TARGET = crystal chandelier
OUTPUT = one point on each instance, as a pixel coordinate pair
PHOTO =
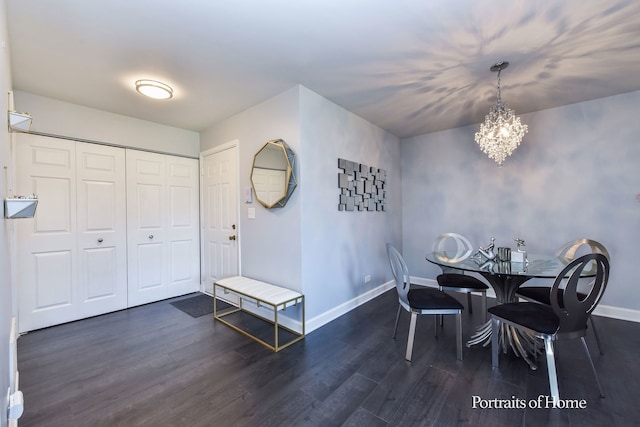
(501, 131)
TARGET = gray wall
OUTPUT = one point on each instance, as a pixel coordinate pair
(308, 245)
(71, 120)
(340, 248)
(575, 175)
(270, 243)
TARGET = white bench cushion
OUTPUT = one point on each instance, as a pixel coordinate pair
(271, 294)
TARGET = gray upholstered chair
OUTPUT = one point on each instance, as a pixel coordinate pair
(421, 300)
(568, 252)
(453, 279)
(556, 321)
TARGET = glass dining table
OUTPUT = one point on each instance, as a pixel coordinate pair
(505, 278)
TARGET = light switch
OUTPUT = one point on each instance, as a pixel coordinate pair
(251, 213)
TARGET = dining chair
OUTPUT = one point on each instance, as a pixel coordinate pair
(453, 279)
(556, 321)
(568, 252)
(421, 300)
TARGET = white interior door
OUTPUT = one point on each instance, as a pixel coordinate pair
(219, 215)
(46, 262)
(162, 224)
(102, 222)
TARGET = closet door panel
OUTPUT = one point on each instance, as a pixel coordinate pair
(101, 229)
(183, 226)
(149, 276)
(181, 256)
(146, 218)
(46, 247)
(100, 271)
(149, 212)
(54, 276)
(55, 197)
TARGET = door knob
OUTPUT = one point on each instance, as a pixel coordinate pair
(150, 236)
(100, 240)
(232, 237)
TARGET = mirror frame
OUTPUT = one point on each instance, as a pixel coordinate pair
(290, 178)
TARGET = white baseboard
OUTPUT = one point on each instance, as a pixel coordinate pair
(617, 313)
(334, 313)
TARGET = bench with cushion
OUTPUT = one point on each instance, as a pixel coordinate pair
(262, 295)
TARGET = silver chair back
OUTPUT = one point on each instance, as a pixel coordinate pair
(400, 274)
(572, 309)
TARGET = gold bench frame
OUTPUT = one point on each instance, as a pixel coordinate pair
(293, 302)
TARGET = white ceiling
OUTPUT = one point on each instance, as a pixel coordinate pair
(409, 66)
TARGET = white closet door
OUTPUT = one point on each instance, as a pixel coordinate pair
(64, 272)
(46, 262)
(146, 212)
(162, 224)
(183, 225)
(102, 240)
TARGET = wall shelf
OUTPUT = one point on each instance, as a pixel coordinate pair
(20, 208)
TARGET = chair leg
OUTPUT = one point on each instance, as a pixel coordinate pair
(595, 333)
(495, 338)
(593, 367)
(551, 368)
(412, 333)
(395, 328)
(441, 316)
(484, 306)
(469, 302)
(459, 334)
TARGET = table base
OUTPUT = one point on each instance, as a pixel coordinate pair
(522, 343)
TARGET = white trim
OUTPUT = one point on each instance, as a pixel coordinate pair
(617, 313)
(332, 314)
(219, 148)
(108, 144)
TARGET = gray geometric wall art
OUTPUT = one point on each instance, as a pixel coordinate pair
(362, 187)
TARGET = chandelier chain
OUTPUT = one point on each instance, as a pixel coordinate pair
(499, 92)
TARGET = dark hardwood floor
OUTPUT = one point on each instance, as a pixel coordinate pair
(156, 366)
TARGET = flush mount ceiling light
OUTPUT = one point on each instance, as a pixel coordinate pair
(501, 132)
(154, 89)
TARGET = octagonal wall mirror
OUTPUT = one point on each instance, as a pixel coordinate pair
(272, 175)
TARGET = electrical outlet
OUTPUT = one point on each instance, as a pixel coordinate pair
(367, 278)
